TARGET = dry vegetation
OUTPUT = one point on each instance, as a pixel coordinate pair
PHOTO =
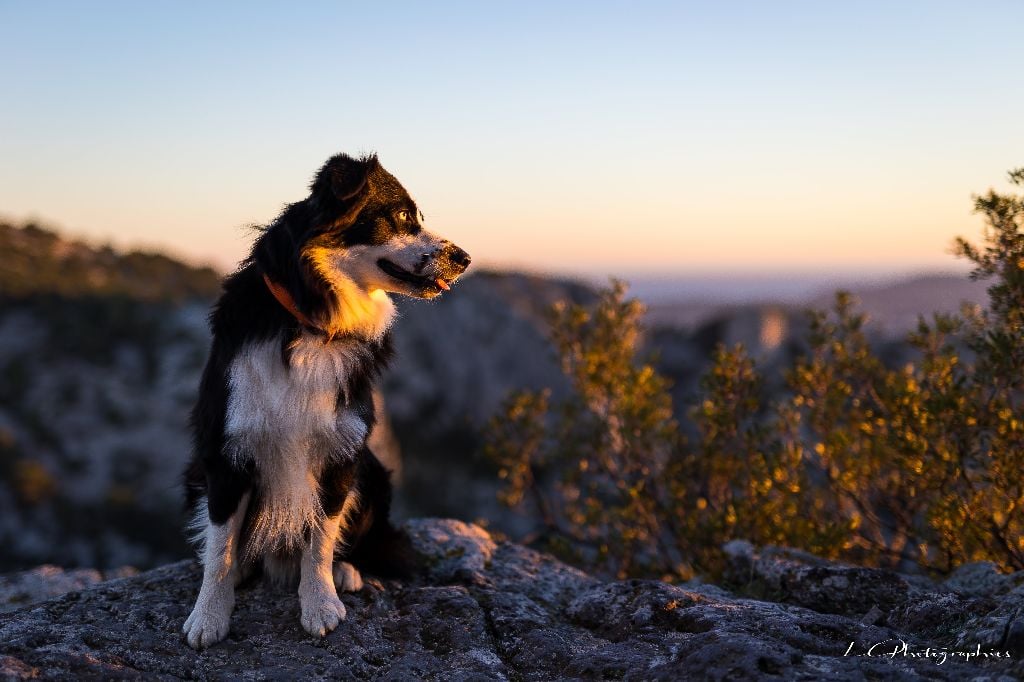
(919, 464)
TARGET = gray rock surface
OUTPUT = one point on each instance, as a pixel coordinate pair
(46, 582)
(982, 578)
(487, 610)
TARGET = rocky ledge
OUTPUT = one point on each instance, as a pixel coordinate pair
(494, 610)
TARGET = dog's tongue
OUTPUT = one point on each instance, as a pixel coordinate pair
(443, 284)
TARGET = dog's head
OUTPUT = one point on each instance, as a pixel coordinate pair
(369, 234)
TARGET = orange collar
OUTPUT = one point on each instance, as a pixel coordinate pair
(288, 303)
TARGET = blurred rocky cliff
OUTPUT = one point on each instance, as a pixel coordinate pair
(100, 354)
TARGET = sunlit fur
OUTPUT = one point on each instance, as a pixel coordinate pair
(281, 478)
(209, 620)
(285, 419)
(355, 307)
(353, 271)
(320, 608)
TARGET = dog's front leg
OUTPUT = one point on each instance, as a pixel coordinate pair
(321, 608)
(208, 623)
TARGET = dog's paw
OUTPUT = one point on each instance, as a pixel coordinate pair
(208, 623)
(321, 613)
(347, 577)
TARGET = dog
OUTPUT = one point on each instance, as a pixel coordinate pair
(281, 479)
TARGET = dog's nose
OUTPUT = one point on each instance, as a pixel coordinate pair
(459, 257)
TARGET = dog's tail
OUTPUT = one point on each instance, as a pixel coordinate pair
(386, 552)
(383, 550)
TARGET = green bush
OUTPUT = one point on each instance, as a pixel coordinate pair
(855, 460)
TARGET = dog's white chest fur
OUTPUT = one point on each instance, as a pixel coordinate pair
(287, 420)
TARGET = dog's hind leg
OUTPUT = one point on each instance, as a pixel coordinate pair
(318, 597)
(209, 621)
(347, 577)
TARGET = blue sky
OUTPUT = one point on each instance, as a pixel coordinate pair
(675, 138)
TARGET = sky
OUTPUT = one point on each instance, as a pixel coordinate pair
(628, 138)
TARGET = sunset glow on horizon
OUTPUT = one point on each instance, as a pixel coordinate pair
(656, 139)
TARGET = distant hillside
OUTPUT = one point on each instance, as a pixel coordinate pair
(100, 353)
(896, 306)
(39, 261)
(892, 308)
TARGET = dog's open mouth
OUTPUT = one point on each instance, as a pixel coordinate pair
(435, 284)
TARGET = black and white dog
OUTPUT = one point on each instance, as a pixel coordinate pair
(281, 478)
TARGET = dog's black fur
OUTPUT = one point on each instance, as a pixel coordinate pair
(352, 202)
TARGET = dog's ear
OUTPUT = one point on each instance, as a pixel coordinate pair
(350, 177)
(343, 185)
